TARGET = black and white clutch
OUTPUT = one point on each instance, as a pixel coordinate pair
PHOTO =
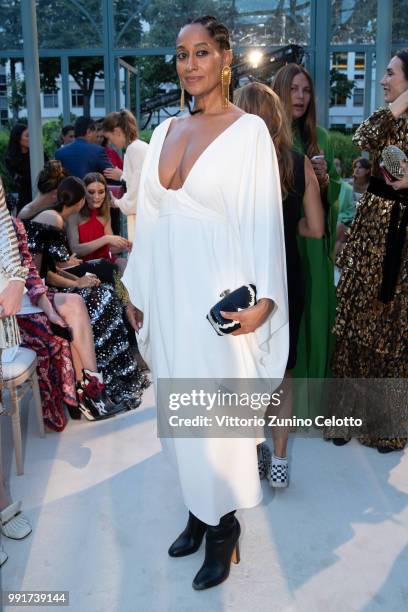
(232, 301)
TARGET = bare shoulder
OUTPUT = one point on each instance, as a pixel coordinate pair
(73, 220)
(50, 217)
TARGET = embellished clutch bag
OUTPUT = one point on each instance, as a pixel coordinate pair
(232, 301)
(391, 158)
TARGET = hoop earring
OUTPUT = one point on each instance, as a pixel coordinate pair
(182, 99)
(225, 85)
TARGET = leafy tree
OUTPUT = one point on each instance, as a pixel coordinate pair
(340, 86)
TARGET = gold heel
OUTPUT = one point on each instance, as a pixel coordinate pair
(235, 554)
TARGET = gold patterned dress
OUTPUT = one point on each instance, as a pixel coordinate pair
(372, 300)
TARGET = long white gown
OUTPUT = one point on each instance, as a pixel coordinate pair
(222, 229)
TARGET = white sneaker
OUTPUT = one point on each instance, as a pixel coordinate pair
(13, 524)
(3, 556)
(264, 460)
(278, 473)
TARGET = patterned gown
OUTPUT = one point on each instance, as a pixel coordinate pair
(123, 380)
(56, 375)
(372, 335)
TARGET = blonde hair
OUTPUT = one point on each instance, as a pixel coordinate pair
(259, 99)
(124, 120)
(282, 85)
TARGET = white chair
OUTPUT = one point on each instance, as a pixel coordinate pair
(20, 375)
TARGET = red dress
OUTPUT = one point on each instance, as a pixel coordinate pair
(92, 230)
(115, 158)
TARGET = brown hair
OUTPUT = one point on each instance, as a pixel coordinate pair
(306, 125)
(259, 99)
(365, 163)
(124, 120)
(70, 191)
(50, 176)
(402, 54)
(104, 211)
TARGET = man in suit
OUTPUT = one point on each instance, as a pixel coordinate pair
(83, 155)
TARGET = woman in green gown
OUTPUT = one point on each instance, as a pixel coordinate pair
(294, 86)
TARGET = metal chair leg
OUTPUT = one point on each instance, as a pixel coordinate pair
(16, 426)
(37, 403)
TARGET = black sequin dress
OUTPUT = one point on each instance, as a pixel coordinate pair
(123, 380)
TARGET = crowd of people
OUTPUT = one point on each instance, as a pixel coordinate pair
(233, 193)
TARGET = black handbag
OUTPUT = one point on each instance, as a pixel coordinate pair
(232, 301)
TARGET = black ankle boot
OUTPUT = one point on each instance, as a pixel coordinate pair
(189, 541)
(221, 547)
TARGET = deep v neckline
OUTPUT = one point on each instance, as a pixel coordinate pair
(203, 152)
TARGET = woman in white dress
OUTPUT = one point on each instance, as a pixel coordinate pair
(121, 129)
(12, 281)
(210, 218)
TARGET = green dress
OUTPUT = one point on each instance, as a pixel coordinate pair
(315, 341)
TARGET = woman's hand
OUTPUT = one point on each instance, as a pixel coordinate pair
(88, 280)
(10, 298)
(113, 174)
(119, 242)
(250, 318)
(402, 183)
(135, 317)
(320, 170)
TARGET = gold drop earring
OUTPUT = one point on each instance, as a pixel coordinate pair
(225, 85)
(182, 100)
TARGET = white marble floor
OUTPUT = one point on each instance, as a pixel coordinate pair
(105, 506)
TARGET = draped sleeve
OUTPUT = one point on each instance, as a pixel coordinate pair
(263, 245)
(136, 277)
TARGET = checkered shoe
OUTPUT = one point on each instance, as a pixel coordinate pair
(264, 460)
(278, 474)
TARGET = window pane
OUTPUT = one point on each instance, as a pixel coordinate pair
(400, 22)
(354, 21)
(359, 61)
(340, 60)
(50, 100)
(11, 31)
(64, 24)
(77, 97)
(358, 97)
(99, 98)
(263, 22)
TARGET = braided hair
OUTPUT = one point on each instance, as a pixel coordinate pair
(219, 32)
(215, 28)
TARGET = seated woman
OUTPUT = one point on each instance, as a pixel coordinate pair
(40, 320)
(89, 230)
(48, 180)
(48, 244)
(47, 184)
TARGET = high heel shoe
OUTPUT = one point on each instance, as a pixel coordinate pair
(221, 548)
(189, 541)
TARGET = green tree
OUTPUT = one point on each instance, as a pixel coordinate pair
(340, 86)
